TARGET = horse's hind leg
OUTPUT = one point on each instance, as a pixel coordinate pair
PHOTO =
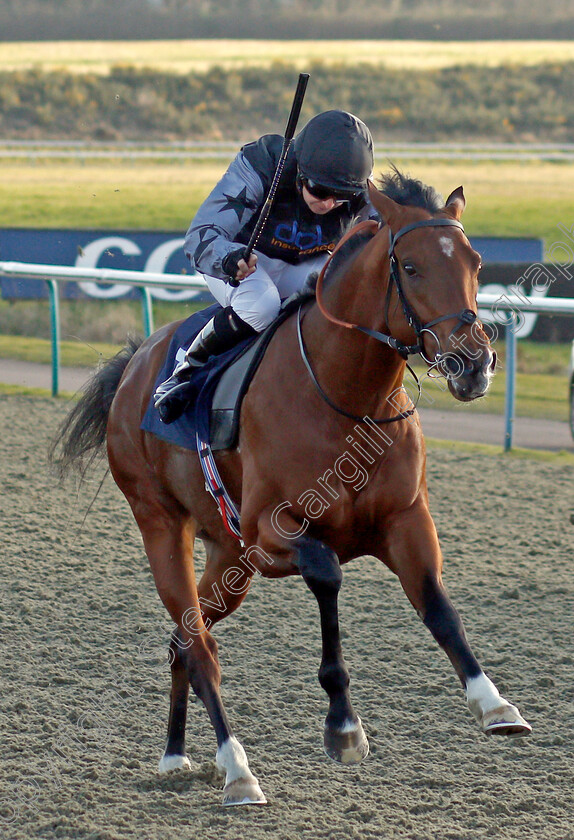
(344, 738)
(414, 554)
(174, 757)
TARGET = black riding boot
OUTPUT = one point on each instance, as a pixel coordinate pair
(224, 330)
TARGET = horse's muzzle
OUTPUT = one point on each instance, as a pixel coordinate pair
(468, 378)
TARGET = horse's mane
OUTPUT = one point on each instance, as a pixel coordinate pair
(404, 190)
(346, 251)
(410, 192)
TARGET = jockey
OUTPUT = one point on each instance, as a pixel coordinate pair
(322, 188)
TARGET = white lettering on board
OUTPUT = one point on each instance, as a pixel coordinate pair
(89, 259)
(156, 263)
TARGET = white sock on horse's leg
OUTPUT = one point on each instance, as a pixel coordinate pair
(173, 762)
(482, 695)
(241, 786)
(494, 713)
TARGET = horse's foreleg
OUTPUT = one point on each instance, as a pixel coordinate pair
(194, 660)
(495, 715)
(219, 596)
(344, 738)
(413, 552)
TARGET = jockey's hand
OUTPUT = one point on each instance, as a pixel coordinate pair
(246, 268)
(235, 265)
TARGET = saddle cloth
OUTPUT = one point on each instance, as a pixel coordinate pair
(216, 389)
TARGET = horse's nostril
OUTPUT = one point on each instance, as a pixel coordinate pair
(451, 366)
(492, 365)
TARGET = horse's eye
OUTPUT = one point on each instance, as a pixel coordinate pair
(409, 269)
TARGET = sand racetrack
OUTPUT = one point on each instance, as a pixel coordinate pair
(85, 684)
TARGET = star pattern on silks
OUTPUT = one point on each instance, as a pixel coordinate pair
(237, 203)
(204, 242)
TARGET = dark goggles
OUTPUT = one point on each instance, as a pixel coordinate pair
(322, 193)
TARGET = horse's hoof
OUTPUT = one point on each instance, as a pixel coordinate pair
(244, 791)
(348, 745)
(505, 720)
(174, 762)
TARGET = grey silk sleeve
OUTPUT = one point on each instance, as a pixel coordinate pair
(222, 215)
(368, 212)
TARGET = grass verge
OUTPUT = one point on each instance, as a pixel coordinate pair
(503, 198)
(38, 350)
(538, 396)
(24, 391)
(561, 458)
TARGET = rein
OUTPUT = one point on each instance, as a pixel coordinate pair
(367, 226)
(379, 420)
(466, 316)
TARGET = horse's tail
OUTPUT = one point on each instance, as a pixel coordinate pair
(81, 437)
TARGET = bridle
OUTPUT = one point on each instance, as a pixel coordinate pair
(464, 317)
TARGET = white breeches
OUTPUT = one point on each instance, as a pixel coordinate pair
(257, 299)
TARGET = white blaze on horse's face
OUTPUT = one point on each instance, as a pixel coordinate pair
(447, 245)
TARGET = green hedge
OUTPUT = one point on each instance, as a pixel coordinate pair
(471, 103)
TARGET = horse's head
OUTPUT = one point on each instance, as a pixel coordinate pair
(434, 272)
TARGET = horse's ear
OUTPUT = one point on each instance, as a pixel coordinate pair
(384, 205)
(455, 203)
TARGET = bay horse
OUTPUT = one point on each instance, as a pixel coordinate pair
(330, 466)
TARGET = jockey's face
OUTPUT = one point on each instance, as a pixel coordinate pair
(320, 206)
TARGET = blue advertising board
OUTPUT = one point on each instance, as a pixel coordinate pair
(158, 252)
(512, 250)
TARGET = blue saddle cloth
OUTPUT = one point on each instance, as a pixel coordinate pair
(203, 383)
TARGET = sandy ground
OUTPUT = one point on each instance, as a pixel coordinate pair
(84, 681)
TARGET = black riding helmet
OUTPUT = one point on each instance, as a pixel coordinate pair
(335, 150)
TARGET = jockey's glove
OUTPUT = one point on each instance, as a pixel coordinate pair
(230, 263)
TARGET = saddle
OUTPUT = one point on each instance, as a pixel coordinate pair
(232, 387)
(235, 380)
(217, 389)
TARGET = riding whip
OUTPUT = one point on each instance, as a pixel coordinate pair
(289, 133)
